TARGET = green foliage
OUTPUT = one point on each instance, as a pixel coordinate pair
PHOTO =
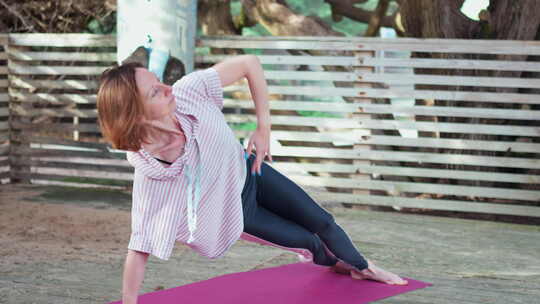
(106, 25)
(248, 126)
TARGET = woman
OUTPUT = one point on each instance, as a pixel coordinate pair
(191, 180)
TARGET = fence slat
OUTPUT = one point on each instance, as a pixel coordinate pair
(278, 45)
(469, 81)
(17, 82)
(40, 152)
(459, 144)
(479, 64)
(55, 127)
(399, 41)
(79, 166)
(415, 157)
(289, 59)
(55, 70)
(61, 141)
(337, 106)
(433, 204)
(451, 111)
(61, 56)
(57, 99)
(395, 188)
(499, 65)
(407, 171)
(360, 123)
(70, 178)
(63, 40)
(392, 78)
(342, 138)
(527, 49)
(314, 76)
(323, 122)
(397, 93)
(123, 176)
(451, 127)
(376, 44)
(57, 112)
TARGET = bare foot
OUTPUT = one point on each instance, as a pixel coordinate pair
(377, 274)
(342, 268)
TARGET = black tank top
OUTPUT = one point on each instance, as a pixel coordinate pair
(163, 161)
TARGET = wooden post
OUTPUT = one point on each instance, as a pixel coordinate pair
(20, 169)
(362, 100)
(4, 113)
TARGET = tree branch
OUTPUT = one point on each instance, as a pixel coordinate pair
(14, 12)
(280, 20)
(376, 18)
(346, 8)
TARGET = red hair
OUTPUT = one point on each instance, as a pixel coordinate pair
(120, 107)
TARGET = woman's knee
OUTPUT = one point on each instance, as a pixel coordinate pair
(326, 225)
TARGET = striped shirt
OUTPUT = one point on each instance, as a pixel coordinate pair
(197, 199)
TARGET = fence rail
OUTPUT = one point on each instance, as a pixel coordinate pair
(410, 123)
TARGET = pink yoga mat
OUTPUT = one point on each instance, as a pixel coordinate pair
(296, 283)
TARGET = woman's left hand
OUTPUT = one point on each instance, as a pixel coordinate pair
(261, 140)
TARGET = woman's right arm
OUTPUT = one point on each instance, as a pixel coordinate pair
(133, 275)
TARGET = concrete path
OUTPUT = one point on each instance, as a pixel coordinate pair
(467, 261)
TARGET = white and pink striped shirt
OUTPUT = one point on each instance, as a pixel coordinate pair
(197, 200)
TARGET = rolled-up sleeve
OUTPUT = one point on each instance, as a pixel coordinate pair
(154, 216)
(202, 84)
(214, 90)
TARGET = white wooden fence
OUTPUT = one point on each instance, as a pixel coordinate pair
(445, 132)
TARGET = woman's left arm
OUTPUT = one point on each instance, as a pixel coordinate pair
(235, 68)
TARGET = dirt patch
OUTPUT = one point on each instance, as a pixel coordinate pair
(33, 230)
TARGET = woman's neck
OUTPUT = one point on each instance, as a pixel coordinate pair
(164, 134)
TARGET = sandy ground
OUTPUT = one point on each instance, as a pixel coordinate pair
(66, 245)
(32, 230)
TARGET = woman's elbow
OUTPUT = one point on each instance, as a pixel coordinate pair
(250, 62)
(253, 59)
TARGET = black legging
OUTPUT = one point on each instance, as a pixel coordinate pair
(279, 211)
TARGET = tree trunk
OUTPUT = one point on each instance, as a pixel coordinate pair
(214, 18)
(504, 19)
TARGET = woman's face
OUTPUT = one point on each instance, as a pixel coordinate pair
(157, 97)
